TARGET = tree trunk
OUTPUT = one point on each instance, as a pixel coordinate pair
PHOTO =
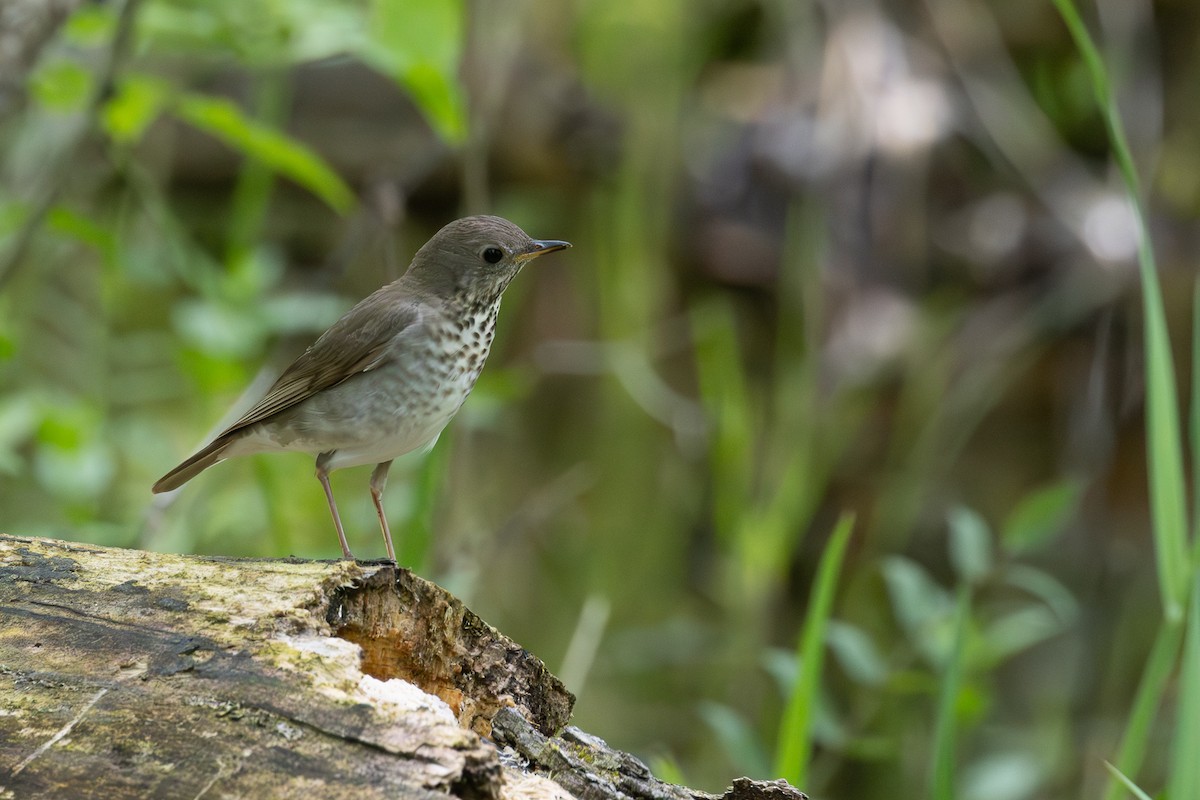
(126, 674)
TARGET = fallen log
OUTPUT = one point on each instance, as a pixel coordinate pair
(128, 674)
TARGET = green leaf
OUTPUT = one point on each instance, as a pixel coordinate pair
(138, 101)
(437, 94)
(667, 769)
(77, 473)
(419, 45)
(970, 545)
(1045, 587)
(1019, 630)
(91, 24)
(65, 221)
(856, 653)
(736, 737)
(218, 329)
(780, 664)
(1040, 516)
(1004, 773)
(62, 428)
(302, 312)
(916, 599)
(72, 459)
(223, 120)
(61, 85)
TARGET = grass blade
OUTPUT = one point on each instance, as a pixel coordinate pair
(795, 731)
(1183, 780)
(946, 727)
(1120, 777)
(1167, 494)
(1164, 450)
(1195, 419)
(1150, 691)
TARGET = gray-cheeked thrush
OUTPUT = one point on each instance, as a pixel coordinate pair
(389, 375)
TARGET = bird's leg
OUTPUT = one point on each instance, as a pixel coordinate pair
(378, 479)
(323, 477)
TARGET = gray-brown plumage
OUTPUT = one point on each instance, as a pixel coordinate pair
(389, 375)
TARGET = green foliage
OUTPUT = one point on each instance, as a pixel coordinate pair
(775, 310)
(86, 231)
(737, 738)
(970, 546)
(61, 86)
(226, 122)
(1040, 516)
(419, 46)
(259, 34)
(795, 735)
(856, 653)
(762, 514)
(134, 106)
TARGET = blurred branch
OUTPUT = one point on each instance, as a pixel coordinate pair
(25, 27)
(56, 180)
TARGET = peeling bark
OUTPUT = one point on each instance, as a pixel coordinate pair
(126, 674)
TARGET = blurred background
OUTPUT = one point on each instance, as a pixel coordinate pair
(868, 257)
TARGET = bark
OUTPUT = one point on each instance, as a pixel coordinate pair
(126, 674)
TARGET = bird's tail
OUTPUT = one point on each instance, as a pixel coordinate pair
(196, 464)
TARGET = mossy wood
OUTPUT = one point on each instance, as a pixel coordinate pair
(126, 674)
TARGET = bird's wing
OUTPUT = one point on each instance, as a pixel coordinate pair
(358, 342)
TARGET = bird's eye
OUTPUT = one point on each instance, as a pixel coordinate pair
(493, 255)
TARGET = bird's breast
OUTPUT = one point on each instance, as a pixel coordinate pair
(396, 408)
(458, 347)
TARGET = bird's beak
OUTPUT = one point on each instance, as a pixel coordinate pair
(539, 248)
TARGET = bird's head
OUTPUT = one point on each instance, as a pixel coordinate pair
(475, 258)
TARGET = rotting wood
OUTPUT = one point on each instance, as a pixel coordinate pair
(588, 768)
(126, 674)
(411, 629)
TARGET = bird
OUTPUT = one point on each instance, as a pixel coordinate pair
(386, 378)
